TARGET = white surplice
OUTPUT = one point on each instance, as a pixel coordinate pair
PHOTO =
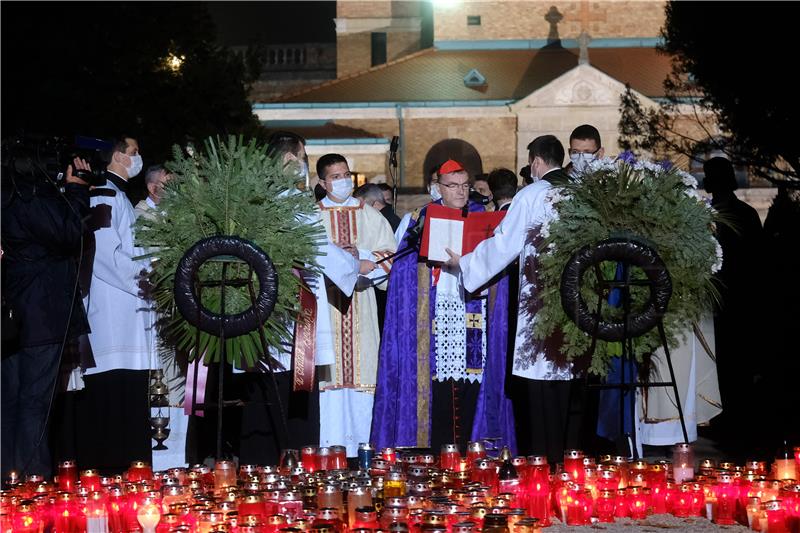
(346, 396)
(123, 324)
(514, 239)
(696, 376)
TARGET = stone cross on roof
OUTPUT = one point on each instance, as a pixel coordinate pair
(583, 42)
(553, 17)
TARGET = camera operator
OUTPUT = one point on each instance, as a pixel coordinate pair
(41, 241)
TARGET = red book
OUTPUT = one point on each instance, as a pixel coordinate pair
(449, 228)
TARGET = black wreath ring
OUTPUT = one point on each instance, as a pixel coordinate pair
(622, 250)
(237, 324)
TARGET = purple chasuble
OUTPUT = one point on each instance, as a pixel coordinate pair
(401, 412)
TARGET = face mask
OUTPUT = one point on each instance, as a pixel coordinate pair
(435, 194)
(342, 188)
(304, 171)
(580, 162)
(136, 165)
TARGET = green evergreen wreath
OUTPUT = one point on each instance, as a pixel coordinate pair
(657, 205)
(232, 187)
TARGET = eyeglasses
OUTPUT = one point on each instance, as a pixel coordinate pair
(454, 186)
(576, 152)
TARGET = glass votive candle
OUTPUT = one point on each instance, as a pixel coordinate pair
(707, 467)
(25, 519)
(682, 501)
(389, 454)
(604, 505)
(308, 458)
(621, 463)
(637, 502)
(573, 464)
(338, 458)
(67, 475)
(140, 471)
(776, 517)
(90, 480)
(682, 462)
(394, 485)
(330, 496)
(449, 457)
(224, 475)
(323, 457)
(357, 497)
(291, 505)
(475, 450)
(784, 468)
(752, 509)
(727, 494)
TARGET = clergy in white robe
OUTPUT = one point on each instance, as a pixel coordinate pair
(541, 411)
(262, 433)
(347, 392)
(112, 418)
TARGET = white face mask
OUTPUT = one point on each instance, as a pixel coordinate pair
(580, 162)
(304, 171)
(136, 165)
(342, 188)
(435, 194)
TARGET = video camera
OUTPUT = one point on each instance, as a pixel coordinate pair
(48, 157)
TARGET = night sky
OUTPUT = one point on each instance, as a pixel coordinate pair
(240, 23)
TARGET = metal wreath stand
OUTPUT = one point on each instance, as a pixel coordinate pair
(629, 253)
(230, 251)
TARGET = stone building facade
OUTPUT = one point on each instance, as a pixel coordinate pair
(498, 75)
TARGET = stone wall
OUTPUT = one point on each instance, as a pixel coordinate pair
(525, 19)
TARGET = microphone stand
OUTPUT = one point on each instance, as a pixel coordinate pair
(393, 172)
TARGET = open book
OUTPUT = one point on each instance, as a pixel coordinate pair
(449, 228)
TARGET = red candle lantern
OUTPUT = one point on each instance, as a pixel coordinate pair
(308, 458)
(539, 491)
(791, 502)
(140, 471)
(699, 499)
(26, 519)
(758, 467)
(65, 515)
(776, 517)
(475, 450)
(621, 505)
(561, 487)
(389, 454)
(682, 501)
(90, 480)
(657, 483)
(338, 458)
(323, 457)
(727, 494)
(637, 503)
(252, 504)
(573, 464)
(574, 505)
(485, 473)
(449, 457)
(608, 478)
(67, 475)
(604, 505)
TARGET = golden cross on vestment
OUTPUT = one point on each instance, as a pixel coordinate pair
(474, 320)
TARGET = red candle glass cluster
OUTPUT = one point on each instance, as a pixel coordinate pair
(312, 490)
